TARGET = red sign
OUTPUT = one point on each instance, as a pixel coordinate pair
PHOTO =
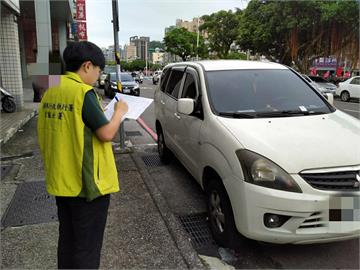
(80, 10)
(81, 30)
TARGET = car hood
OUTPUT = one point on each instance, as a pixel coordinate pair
(301, 142)
(327, 85)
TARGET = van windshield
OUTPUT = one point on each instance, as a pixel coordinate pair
(261, 93)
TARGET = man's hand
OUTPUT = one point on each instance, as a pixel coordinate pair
(121, 106)
(106, 133)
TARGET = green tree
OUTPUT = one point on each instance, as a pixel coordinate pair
(156, 44)
(183, 43)
(297, 32)
(222, 29)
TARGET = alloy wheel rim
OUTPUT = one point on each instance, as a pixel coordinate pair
(216, 213)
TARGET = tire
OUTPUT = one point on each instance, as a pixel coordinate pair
(164, 152)
(8, 105)
(106, 89)
(345, 96)
(111, 94)
(221, 216)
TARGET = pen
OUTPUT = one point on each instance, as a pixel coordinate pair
(116, 98)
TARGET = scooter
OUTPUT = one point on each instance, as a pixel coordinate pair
(7, 101)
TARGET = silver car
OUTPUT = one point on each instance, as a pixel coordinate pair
(323, 85)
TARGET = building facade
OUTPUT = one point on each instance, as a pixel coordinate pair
(33, 36)
(130, 52)
(141, 44)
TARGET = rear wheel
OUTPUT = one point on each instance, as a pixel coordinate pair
(164, 152)
(345, 96)
(221, 217)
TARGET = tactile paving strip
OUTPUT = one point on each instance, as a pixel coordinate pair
(31, 204)
(197, 227)
(152, 160)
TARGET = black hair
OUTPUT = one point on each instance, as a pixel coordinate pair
(76, 53)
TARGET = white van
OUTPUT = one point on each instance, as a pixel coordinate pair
(256, 136)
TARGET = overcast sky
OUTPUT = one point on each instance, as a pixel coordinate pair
(146, 17)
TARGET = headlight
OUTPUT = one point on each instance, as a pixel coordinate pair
(259, 170)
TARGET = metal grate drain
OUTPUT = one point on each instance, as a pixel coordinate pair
(5, 169)
(198, 228)
(31, 204)
(132, 133)
(152, 160)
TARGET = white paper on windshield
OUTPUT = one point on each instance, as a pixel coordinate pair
(136, 105)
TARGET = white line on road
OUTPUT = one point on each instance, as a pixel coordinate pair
(350, 110)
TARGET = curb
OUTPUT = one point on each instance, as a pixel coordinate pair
(181, 239)
(11, 132)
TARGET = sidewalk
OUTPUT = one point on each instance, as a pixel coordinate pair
(141, 232)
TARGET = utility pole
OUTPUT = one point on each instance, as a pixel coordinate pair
(115, 22)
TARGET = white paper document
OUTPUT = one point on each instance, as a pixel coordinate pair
(136, 105)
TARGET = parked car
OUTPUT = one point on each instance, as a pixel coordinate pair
(349, 89)
(313, 84)
(255, 136)
(323, 85)
(104, 74)
(156, 76)
(129, 86)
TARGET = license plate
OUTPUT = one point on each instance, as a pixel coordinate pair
(126, 91)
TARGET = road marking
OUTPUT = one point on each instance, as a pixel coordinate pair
(147, 129)
(350, 110)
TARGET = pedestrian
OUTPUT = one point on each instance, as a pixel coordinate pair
(75, 143)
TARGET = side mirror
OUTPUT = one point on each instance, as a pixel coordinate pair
(185, 105)
(330, 98)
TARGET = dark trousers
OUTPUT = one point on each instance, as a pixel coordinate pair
(81, 231)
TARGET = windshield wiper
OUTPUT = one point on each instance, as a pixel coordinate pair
(238, 114)
(289, 113)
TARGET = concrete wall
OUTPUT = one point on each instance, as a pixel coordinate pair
(10, 64)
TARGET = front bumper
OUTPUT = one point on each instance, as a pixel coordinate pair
(311, 214)
(127, 91)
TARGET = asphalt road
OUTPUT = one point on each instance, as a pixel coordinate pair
(184, 197)
(352, 108)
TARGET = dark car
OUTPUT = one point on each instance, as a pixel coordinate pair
(129, 85)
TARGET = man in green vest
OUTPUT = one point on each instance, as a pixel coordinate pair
(75, 143)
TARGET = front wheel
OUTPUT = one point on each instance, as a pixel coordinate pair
(164, 152)
(345, 96)
(8, 105)
(221, 216)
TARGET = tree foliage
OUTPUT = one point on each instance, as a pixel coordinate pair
(156, 44)
(183, 43)
(222, 29)
(300, 31)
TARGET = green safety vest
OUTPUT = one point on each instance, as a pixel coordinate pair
(76, 162)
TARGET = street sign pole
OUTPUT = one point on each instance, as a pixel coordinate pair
(115, 22)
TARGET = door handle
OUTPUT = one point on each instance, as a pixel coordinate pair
(162, 102)
(177, 116)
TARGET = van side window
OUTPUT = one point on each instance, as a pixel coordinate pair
(189, 90)
(164, 79)
(174, 83)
